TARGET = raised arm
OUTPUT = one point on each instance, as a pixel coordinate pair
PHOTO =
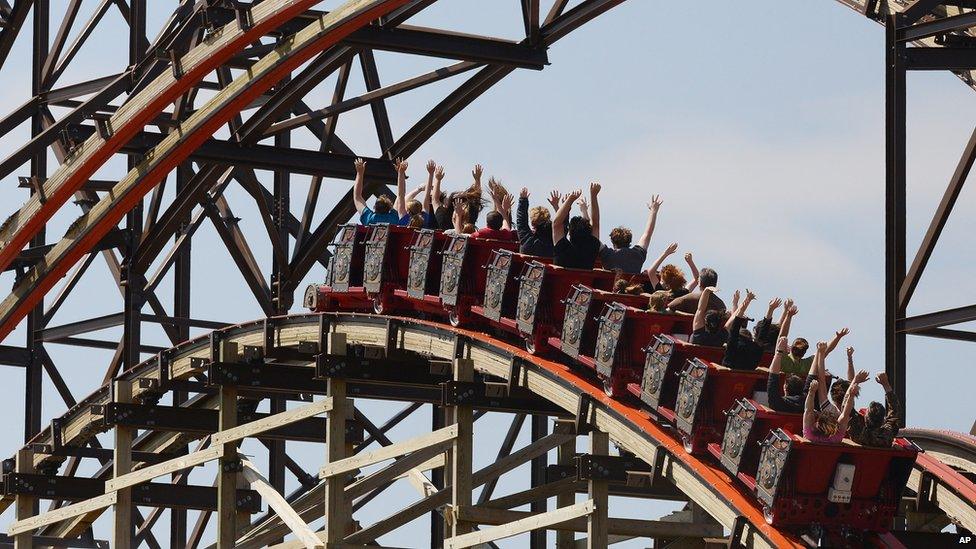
(584, 208)
(741, 311)
(414, 192)
(436, 198)
(497, 193)
(699, 321)
(838, 335)
(818, 365)
(850, 364)
(656, 266)
(522, 216)
(401, 197)
(809, 406)
(558, 224)
(460, 215)
(429, 188)
(357, 187)
(694, 272)
(782, 347)
(767, 322)
(476, 174)
(507, 203)
(891, 421)
(595, 208)
(653, 206)
(789, 311)
(849, 397)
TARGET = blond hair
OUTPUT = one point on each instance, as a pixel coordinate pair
(539, 215)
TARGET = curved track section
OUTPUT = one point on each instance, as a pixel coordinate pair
(135, 114)
(945, 472)
(628, 426)
(322, 33)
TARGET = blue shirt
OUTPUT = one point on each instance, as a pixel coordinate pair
(369, 217)
(429, 221)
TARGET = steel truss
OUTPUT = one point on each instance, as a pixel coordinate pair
(69, 120)
(100, 117)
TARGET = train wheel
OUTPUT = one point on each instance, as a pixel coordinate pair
(378, 305)
(453, 317)
(687, 443)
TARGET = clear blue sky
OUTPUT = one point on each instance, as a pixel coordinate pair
(760, 123)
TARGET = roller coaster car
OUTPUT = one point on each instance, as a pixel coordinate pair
(618, 355)
(578, 336)
(343, 289)
(501, 289)
(706, 390)
(840, 486)
(423, 273)
(387, 264)
(469, 272)
(664, 358)
(539, 308)
(748, 424)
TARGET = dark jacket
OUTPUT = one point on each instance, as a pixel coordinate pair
(533, 243)
(791, 404)
(883, 436)
(741, 353)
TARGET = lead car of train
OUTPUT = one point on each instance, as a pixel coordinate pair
(644, 357)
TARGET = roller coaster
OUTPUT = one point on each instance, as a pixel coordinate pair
(463, 326)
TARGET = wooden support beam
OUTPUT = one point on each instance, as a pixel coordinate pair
(599, 491)
(278, 503)
(521, 526)
(269, 423)
(24, 504)
(122, 533)
(365, 459)
(62, 513)
(227, 475)
(164, 468)
(461, 419)
(404, 467)
(637, 528)
(564, 456)
(337, 509)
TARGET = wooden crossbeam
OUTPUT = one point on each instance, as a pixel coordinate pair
(403, 467)
(164, 468)
(278, 503)
(615, 526)
(521, 526)
(388, 452)
(62, 513)
(271, 422)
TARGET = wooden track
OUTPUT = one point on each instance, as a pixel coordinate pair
(628, 426)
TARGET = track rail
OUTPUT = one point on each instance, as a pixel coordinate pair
(630, 427)
(324, 32)
(940, 475)
(130, 119)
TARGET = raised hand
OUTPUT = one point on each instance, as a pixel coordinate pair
(573, 196)
(782, 345)
(524, 193)
(688, 257)
(735, 296)
(476, 172)
(842, 332)
(673, 247)
(583, 204)
(775, 303)
(792, 310)
(360, 166)
(712, 290)
(595, 188)
(861, 377)
(554, 199)
(401, 165)
(821, 347)
(439, 174)
(749, 295)
(814, 385)
(507, 202)
(882, 378)
(431, 167)
(850, 353)
(655, 203)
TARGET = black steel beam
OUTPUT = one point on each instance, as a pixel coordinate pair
(434, 43)
(943, 333)
(940, 59)
(937, 320)
(151, 494)
(14, 356)
(939, 26)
